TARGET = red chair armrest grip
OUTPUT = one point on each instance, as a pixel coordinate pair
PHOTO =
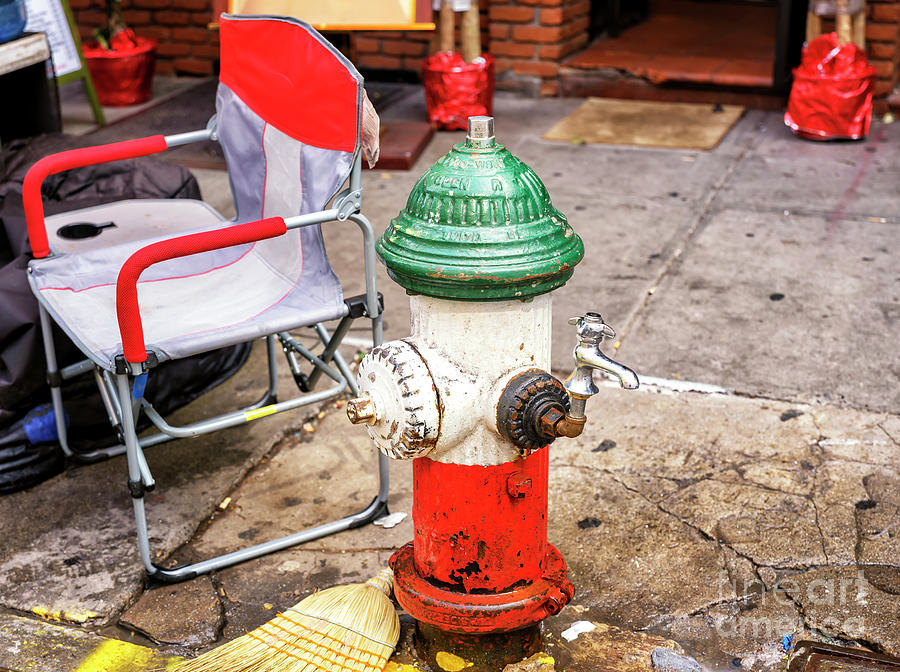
(73, 158)
(127, 309)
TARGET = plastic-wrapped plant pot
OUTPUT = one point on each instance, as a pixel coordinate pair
(831, 97)
(456, 90)
(122, 75)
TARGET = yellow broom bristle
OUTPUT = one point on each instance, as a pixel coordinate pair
(351, 628)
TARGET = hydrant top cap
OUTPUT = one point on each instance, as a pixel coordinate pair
(479, 226)
(481, 131)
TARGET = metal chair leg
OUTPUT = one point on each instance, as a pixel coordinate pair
(55, 380)
(140, 480)
(135, 482)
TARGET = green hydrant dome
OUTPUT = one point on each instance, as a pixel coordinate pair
(479, 226)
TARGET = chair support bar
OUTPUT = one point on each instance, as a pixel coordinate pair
(331, 345)
(289, 341)
(238, 417)
(376, 508)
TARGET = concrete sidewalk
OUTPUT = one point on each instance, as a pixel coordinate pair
(748, 492)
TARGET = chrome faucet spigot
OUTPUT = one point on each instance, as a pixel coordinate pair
(591, 330)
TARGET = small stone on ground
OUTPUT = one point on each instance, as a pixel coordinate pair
(539, 662)
(667, 660)
(187, 614)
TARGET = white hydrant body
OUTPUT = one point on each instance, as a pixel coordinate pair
(470, 350)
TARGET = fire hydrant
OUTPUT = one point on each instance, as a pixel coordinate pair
(468, 397)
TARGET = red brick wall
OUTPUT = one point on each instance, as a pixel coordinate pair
(529, 39)
(391, 50)
(405, 50)
(186, 45)
(882, 46)
(882, 37)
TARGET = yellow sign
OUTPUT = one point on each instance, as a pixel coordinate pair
(345, 14)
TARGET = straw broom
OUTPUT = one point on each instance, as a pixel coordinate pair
(351, 628)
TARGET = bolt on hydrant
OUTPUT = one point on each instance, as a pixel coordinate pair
(468, 397)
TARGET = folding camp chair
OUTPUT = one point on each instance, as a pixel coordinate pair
(172, 278)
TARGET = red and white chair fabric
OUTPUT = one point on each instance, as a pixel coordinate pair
(172, 278)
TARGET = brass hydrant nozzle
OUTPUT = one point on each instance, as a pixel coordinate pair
(361, 410)
(571, 427)
(555, 423)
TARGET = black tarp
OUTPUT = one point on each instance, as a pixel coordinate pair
(22, 369)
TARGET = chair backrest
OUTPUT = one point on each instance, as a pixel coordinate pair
(289, 110)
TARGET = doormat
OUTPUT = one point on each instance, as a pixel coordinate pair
(611, 121)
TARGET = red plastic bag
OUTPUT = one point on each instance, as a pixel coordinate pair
(456, 90)
(832, 92)
(123, 75)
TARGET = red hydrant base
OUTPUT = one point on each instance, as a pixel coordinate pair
(481, 613)
(481, 528)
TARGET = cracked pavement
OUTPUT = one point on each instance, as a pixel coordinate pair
(737, 537)
(751, 490)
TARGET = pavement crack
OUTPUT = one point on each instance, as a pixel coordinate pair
(221, 597)
(812, 501)
(840, 638)
(762, 486)
(672, 514)
(720, 543)
(697, 226)
(817, 444)
(888, 434)
(702, 611)
(658, 506)
(809, 402)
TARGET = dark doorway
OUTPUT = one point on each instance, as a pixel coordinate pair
(750, 44)
(610, 17)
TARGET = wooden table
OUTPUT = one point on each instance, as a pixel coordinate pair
(27, 88)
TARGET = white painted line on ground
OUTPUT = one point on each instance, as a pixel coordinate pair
(358, 342)
(682, 385)
(667, 384)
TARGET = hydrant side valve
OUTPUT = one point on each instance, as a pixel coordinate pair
(362, 410)
(416, 401)
(527, 399)
(398, 401)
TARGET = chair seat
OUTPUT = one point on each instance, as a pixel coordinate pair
(192, 304)
(132, 220)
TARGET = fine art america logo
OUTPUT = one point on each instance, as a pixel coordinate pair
(789, 605)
